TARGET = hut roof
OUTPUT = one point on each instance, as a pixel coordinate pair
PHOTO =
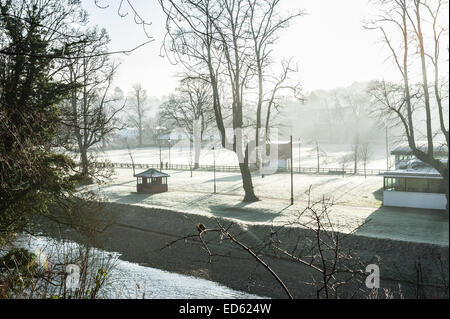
(152, 173)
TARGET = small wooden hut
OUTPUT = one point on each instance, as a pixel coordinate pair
(152, 181)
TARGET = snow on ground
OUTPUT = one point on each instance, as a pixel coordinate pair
(348, 190)
(358, 201)
(180, 155)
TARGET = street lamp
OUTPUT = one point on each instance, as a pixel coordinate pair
(292, 175)
(160, 129)
(387, 148)
(299, 156)
(160, 157)
(169, 150)
(214, 156)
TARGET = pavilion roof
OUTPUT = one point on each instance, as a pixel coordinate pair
(152, 173)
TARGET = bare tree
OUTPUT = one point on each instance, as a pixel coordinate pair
(323, 251)
(138, 107)
(344, 160)
(319, 153)
(90, 112)
(280, 83)
(355, 103)
(336, 270)
(214, 40)
(414, 33)
(364, 154)
(265, 25)
(190, 109)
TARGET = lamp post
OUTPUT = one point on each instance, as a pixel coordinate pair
(292, 175)
(160, 157)
(168, 140)
(387, 148)
(214, 156)
(299, 156)
(160, 129)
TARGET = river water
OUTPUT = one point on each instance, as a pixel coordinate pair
(130, 280)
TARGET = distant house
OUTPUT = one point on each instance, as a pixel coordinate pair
(172, 138)
(128, 132)
(414, 183)
(403, 154)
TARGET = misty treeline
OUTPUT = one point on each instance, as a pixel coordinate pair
(190, 110)
(139, 119)
(338, 116)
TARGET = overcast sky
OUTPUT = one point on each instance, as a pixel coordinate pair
(329, 43)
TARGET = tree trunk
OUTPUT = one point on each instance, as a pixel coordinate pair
(198, 139)
(196, 158)
(318, 158)
(247, 183)
(258, 112)
(85, 166)
(140, 136)
(355, 155)
(84, 163)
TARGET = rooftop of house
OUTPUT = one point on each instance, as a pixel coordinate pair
(414, 168)
(438, 149)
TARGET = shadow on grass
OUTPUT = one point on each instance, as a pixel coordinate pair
(378, 194)
(132, 198)
(233, 178)
(243, 213)
(407, 224)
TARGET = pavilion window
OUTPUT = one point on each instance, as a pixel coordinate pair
(437, 186)
(418, 185)
(388, 183)
(397, 184)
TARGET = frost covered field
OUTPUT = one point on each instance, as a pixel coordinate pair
(331, 156)
(349, 190)
(358, 200)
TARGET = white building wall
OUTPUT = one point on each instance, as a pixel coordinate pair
(415, 200)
